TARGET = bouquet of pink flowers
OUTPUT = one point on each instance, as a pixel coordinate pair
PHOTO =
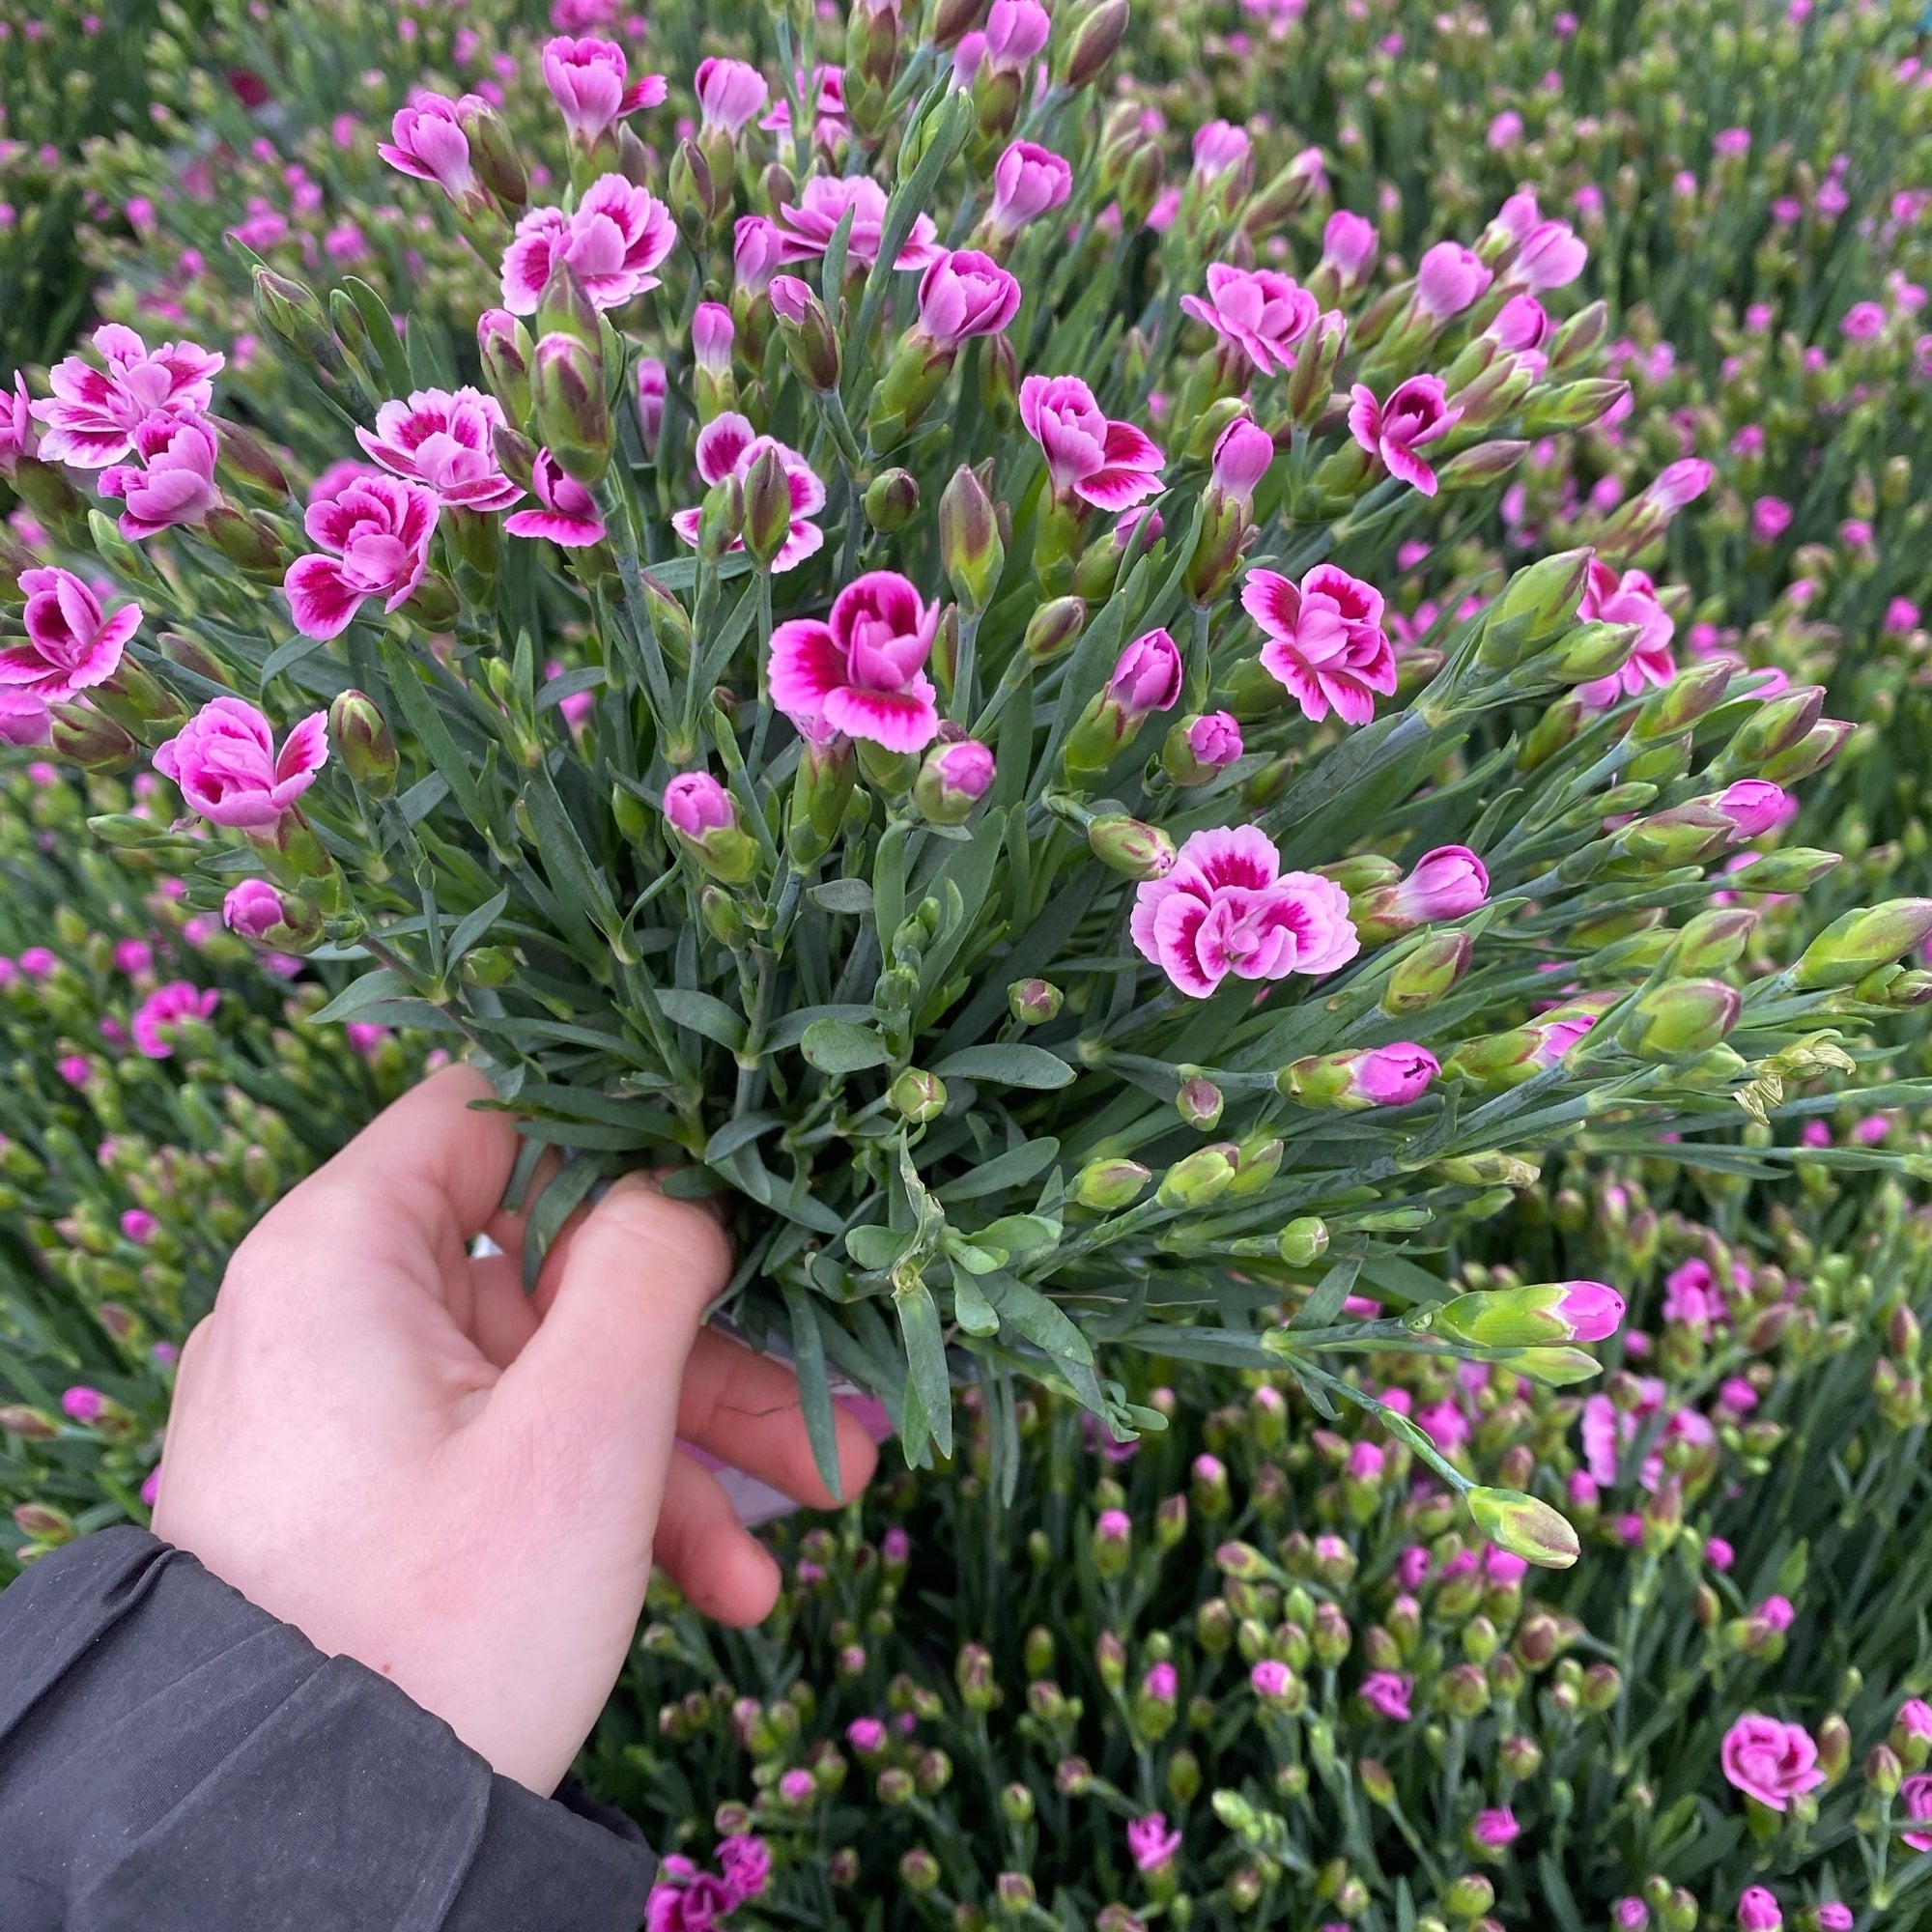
(869, 679)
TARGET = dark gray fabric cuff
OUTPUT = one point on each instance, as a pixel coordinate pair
(174, 1759)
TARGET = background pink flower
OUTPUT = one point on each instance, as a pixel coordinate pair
(1414, 415)
(730, 93)
(167, 1006)
(862, 672)
(1325, 640)
(1029, 180)
(72, 644)
(615, 238)
(1628, 599)
(1263, 312)
(589, 80)
(1111, 464)
(1226, 907)
(427, 143)
(224, 761)
(806, 225)
(964, 294)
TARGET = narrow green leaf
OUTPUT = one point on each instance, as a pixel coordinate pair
(1009, 1063)
(1011, 1169)
(815, 1388)
(853, 895)
(565, 1194)
(970, 1307)
(1043, 1323)
(925, 1359)
(422, 716)
(741, 1132)
(703, 1013)
(1323, 1306)
(383, 983)
(472, 926)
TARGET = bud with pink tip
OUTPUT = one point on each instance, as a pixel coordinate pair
(1382, 1077)
(951, 781)
(1243, 455)
(1147, 678)
(1029, 180)
(812, 342)
(1449, 279)
(1201, 748)
(712, 336)
(704, 817)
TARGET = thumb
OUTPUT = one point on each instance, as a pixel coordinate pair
(610, 1350)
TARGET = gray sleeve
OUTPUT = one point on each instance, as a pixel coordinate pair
(173, 1759)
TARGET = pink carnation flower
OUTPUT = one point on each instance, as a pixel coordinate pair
(807, 224)
(1551, 256)
(1111, 464)
(1325, 640)
(1915, 1798)
(1443, 884)
(1628, 599)
(746, 1864)
(225, 762)
(964, 294)
(374, 536)
(446, 441)
(1391, 1076)
(428, 144)
(93, 414)
(174, 480)
(1449, 279)
(23, 718)
(1348, 245)
(862, 671)
(1263, 312)
(1150, 1843)
(1029, 180)
(727, 445)
(72, 643)
(1227, 907)
(730, 94)
(615, 238)
(568, 515)
(589, 80)
(1771, 1761)
(253, 909)
(1415, 415)
(16, 423)
(1387, 1692)
(167, 1006)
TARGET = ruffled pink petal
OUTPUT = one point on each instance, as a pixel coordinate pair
(1292, 671)
(1177, 929)
(1353, 704)
(1365, 418)
(1273, 601)
(1148, 898)
(527, 267)
(901, 720)
(1128, 447)
(1240, 856)
(805, 540)
(1117, 490)
(102, 654)
(721, 443)
(567, 532)
(806, 667)
(1409, 467)
(304, 753)
(321, 601)
(685, 522)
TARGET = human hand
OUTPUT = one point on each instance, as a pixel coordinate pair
(382, 1442)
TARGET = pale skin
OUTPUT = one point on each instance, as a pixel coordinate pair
(382, 1442)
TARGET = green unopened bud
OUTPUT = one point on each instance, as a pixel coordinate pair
(1303, 1241)
(565, 308)
(918, 1869)
(1199, 1179)
(767, 505)
(669, 620)
(1859, 942)
(1884, 1773)
(1681, 1018)
(1015, 1896)
(90, 739)
(1714, 940)
(1092, 44)
(720, 519)
(1809, 755)
(1676, 706)
(1538, 604)
(1033, 1002)
(1053, 629)
(1198, 1103)
(810, 336)
(1573, 406)
(363, 742)
(29, 1424)
(1421, 976)
(1578, 336)
(1683, 835)
(493, 154)
(1126, 845)
(892, 500)
(1257, 1162)
(1312, 381)
(970, 550)
(290, 314)
(918, 1096)
(1478, 468)
(1468, 1896)
(1794, 869)
(567, 384)
(1109, 1185)
(508, 354)
(1524, 1526)
(244, 458)
(1775, 725)
(691, 192)
(246, 540)
(1591, 651)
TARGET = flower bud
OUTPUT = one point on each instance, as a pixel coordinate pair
(1199, 1179)
(1303, 1241)
(1858, 941)
(970, 550)
(290, 314)
(493, 154)
(86, 737)
(819, 796)
(1053, 629)
(918, 1096)
(810, 340)
(1126, 845)
(892, 500)
(1681, 1018)
(363, 741)
(1424, 974)
(1199, 749)
(567, 386)
(1109, 1185)
(1810, 754)
(1714, 940)
(767, 505)
(704, 818)
(1524, 1526)
(1034, 1002)
(1198, 1103)
(1527, 1317)
(1092, 44)
(951, 781)
(1259, 1160)
(1536, 605)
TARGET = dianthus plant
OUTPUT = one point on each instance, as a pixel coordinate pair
(872, 685)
